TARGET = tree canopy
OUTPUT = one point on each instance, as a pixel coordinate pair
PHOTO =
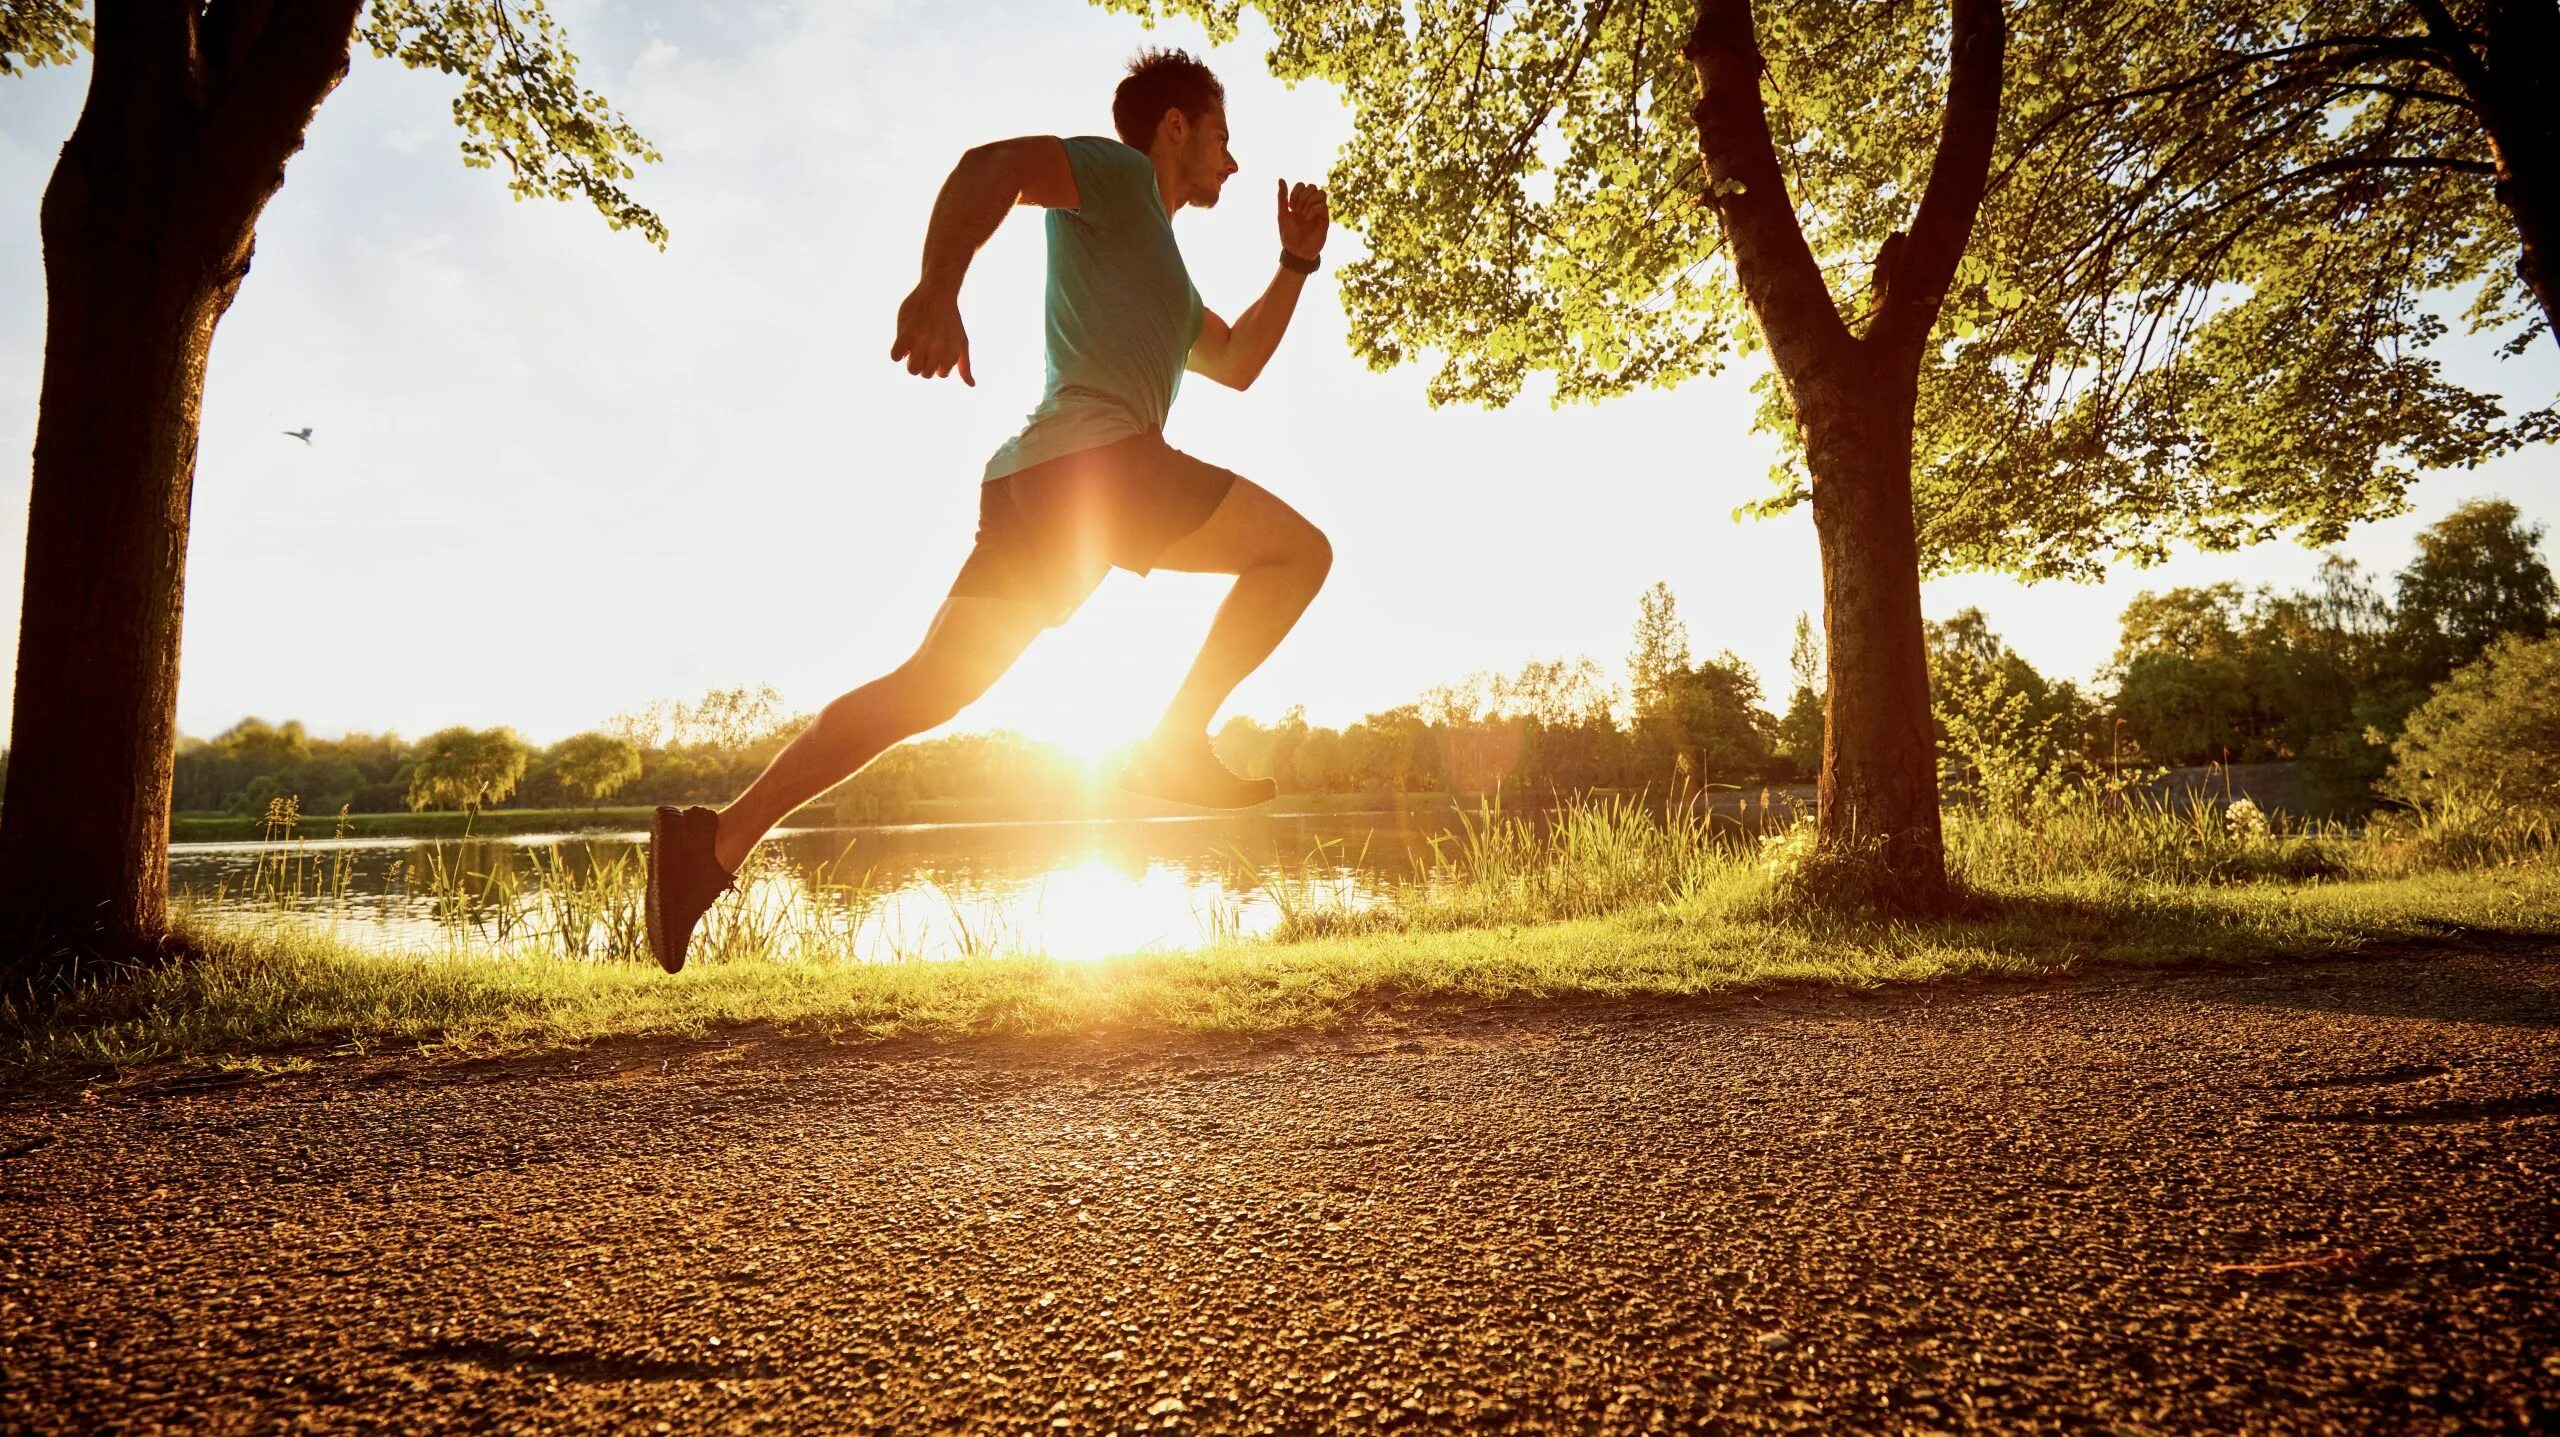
(2218, 243)
(2328, 673)
(2200, 306)
(521, 104)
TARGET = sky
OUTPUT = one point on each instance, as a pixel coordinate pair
(556, 474)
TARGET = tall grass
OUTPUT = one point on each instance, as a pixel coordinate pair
(1603, 858)
(1586, 858)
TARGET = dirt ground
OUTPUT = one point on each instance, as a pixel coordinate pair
(2285, 1198)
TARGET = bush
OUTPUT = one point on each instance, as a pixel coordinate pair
(2490, 735)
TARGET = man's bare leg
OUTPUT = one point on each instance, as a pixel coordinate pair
(1279, 560)
(970, 645)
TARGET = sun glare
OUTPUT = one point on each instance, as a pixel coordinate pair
(1094, 737)
(1096, 685)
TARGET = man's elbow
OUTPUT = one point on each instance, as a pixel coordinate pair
(1220, 370)
(1239, 375)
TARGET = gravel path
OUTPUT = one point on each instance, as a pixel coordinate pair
(2266, 1199)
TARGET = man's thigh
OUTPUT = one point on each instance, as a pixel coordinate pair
(973, 640)
(1251, 527)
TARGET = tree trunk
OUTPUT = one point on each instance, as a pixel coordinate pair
(130, 313)
(1878, 799)
(147, 224)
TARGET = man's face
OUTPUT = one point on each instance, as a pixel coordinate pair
(1206, 161)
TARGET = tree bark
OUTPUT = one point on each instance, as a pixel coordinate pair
(2522, 108)
(147, 225)
(1853, 396)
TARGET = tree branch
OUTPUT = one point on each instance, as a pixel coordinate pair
(1519, 146)
(2404, 92)
(1748, 192)
(2365, 46)
(297, 57)
(2452, 43)
(146, 66)
(1912, 291)
(2349, 164)
(144, 100)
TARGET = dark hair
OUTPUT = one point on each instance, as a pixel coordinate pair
(1161, 80)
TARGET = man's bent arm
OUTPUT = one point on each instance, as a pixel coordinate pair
(1233, 354)
(989, 181)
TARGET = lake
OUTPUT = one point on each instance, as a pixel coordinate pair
(1076, 889)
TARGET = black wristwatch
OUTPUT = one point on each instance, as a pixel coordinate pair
(1296, 265)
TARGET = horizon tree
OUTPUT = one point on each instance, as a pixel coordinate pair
(1657, 678)
(2479, 577)
(466, 768)
(1800, 727)
(193, 109)
(593, 766)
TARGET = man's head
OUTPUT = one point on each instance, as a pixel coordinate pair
(1171, 107)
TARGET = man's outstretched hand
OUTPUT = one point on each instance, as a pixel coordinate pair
(930, 336)
(1304, 219)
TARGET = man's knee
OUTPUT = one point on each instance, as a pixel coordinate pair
(1316, 554)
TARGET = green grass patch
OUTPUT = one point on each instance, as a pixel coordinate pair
(278, 992)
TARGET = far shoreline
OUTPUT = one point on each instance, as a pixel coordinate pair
(2278, 788)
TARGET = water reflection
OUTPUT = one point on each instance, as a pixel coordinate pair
(1071, 890)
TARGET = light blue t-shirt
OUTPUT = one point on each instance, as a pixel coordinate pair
(1122, 312)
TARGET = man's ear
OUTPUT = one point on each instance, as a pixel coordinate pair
(1180, 123)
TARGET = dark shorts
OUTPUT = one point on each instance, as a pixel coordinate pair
(1047, 534)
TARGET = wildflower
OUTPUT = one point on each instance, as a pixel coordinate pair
(2245, 821)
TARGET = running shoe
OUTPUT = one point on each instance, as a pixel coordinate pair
(684, 879)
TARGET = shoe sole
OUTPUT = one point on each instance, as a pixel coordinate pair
(660, 824)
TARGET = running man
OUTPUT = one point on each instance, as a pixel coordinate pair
(1087, 485)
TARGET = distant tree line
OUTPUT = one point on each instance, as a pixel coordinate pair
(2329, 675)
(1557, 725)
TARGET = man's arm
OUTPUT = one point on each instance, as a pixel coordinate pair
(987, 182)
(1233, 354)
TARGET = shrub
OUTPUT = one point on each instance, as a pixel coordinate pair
(2489, 735)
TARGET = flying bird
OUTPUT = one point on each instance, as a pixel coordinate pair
(303, 434)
